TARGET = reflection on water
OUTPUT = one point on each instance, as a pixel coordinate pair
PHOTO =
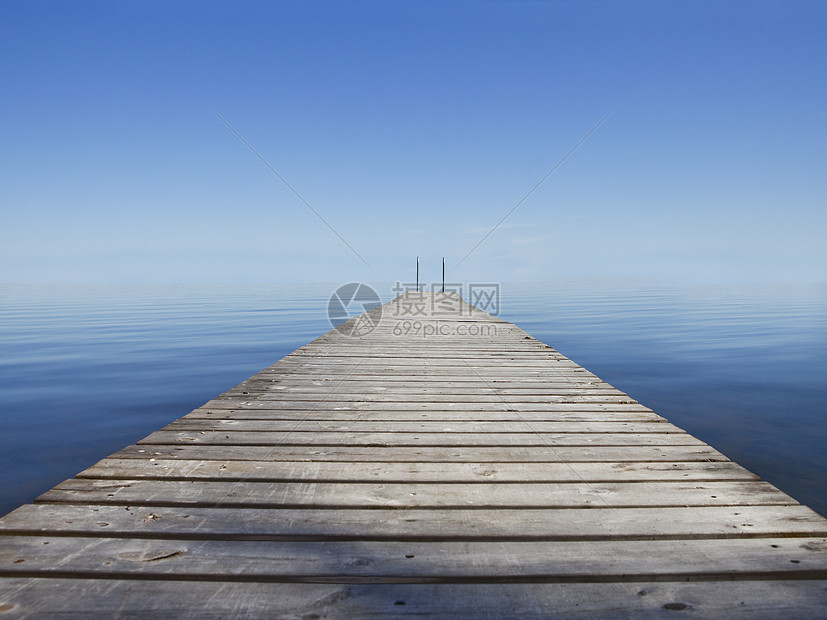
(85, 370)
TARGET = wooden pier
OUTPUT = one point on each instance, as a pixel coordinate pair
(446, 463)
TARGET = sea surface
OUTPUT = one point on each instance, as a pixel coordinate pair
(86, 370)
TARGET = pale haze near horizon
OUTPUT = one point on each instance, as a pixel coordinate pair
(412, 128)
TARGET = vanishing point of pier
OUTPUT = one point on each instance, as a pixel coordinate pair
(462, 469)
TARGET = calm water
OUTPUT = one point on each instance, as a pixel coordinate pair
(85, 370)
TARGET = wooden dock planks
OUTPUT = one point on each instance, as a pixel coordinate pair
(470, 472)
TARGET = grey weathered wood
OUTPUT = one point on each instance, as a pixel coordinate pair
(326, 471)
(457, 427)
(424, 524)
(408, 454)
(493, 474)
(111, 598)
(460, 426)
(494, 405)
(436, 398)
(425, 562)
(411, 495)
(231, 437)
(459, 383)
(319, 407)
(443, 415)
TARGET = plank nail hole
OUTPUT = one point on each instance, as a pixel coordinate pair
(407, 555)
(19, 561)
(399, 602)
(795, 561)
(675, 606)
(774, 546)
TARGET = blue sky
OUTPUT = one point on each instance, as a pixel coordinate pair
(412, 128)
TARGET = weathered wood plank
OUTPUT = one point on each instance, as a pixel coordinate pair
(230, 437)
(275, 471)
(409, 495)
(445, 398)
(444, 415)
(423, 562)
(507, 524)
(296, 382)
(385, 372)
(457, 427)
(112, 598)
(494, 405)
(454, 454)
(384, 394)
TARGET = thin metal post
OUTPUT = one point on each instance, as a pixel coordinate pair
(443, 274)
(417, 274)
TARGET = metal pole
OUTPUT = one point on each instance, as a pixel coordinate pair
(417, 274)
(443, 274)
